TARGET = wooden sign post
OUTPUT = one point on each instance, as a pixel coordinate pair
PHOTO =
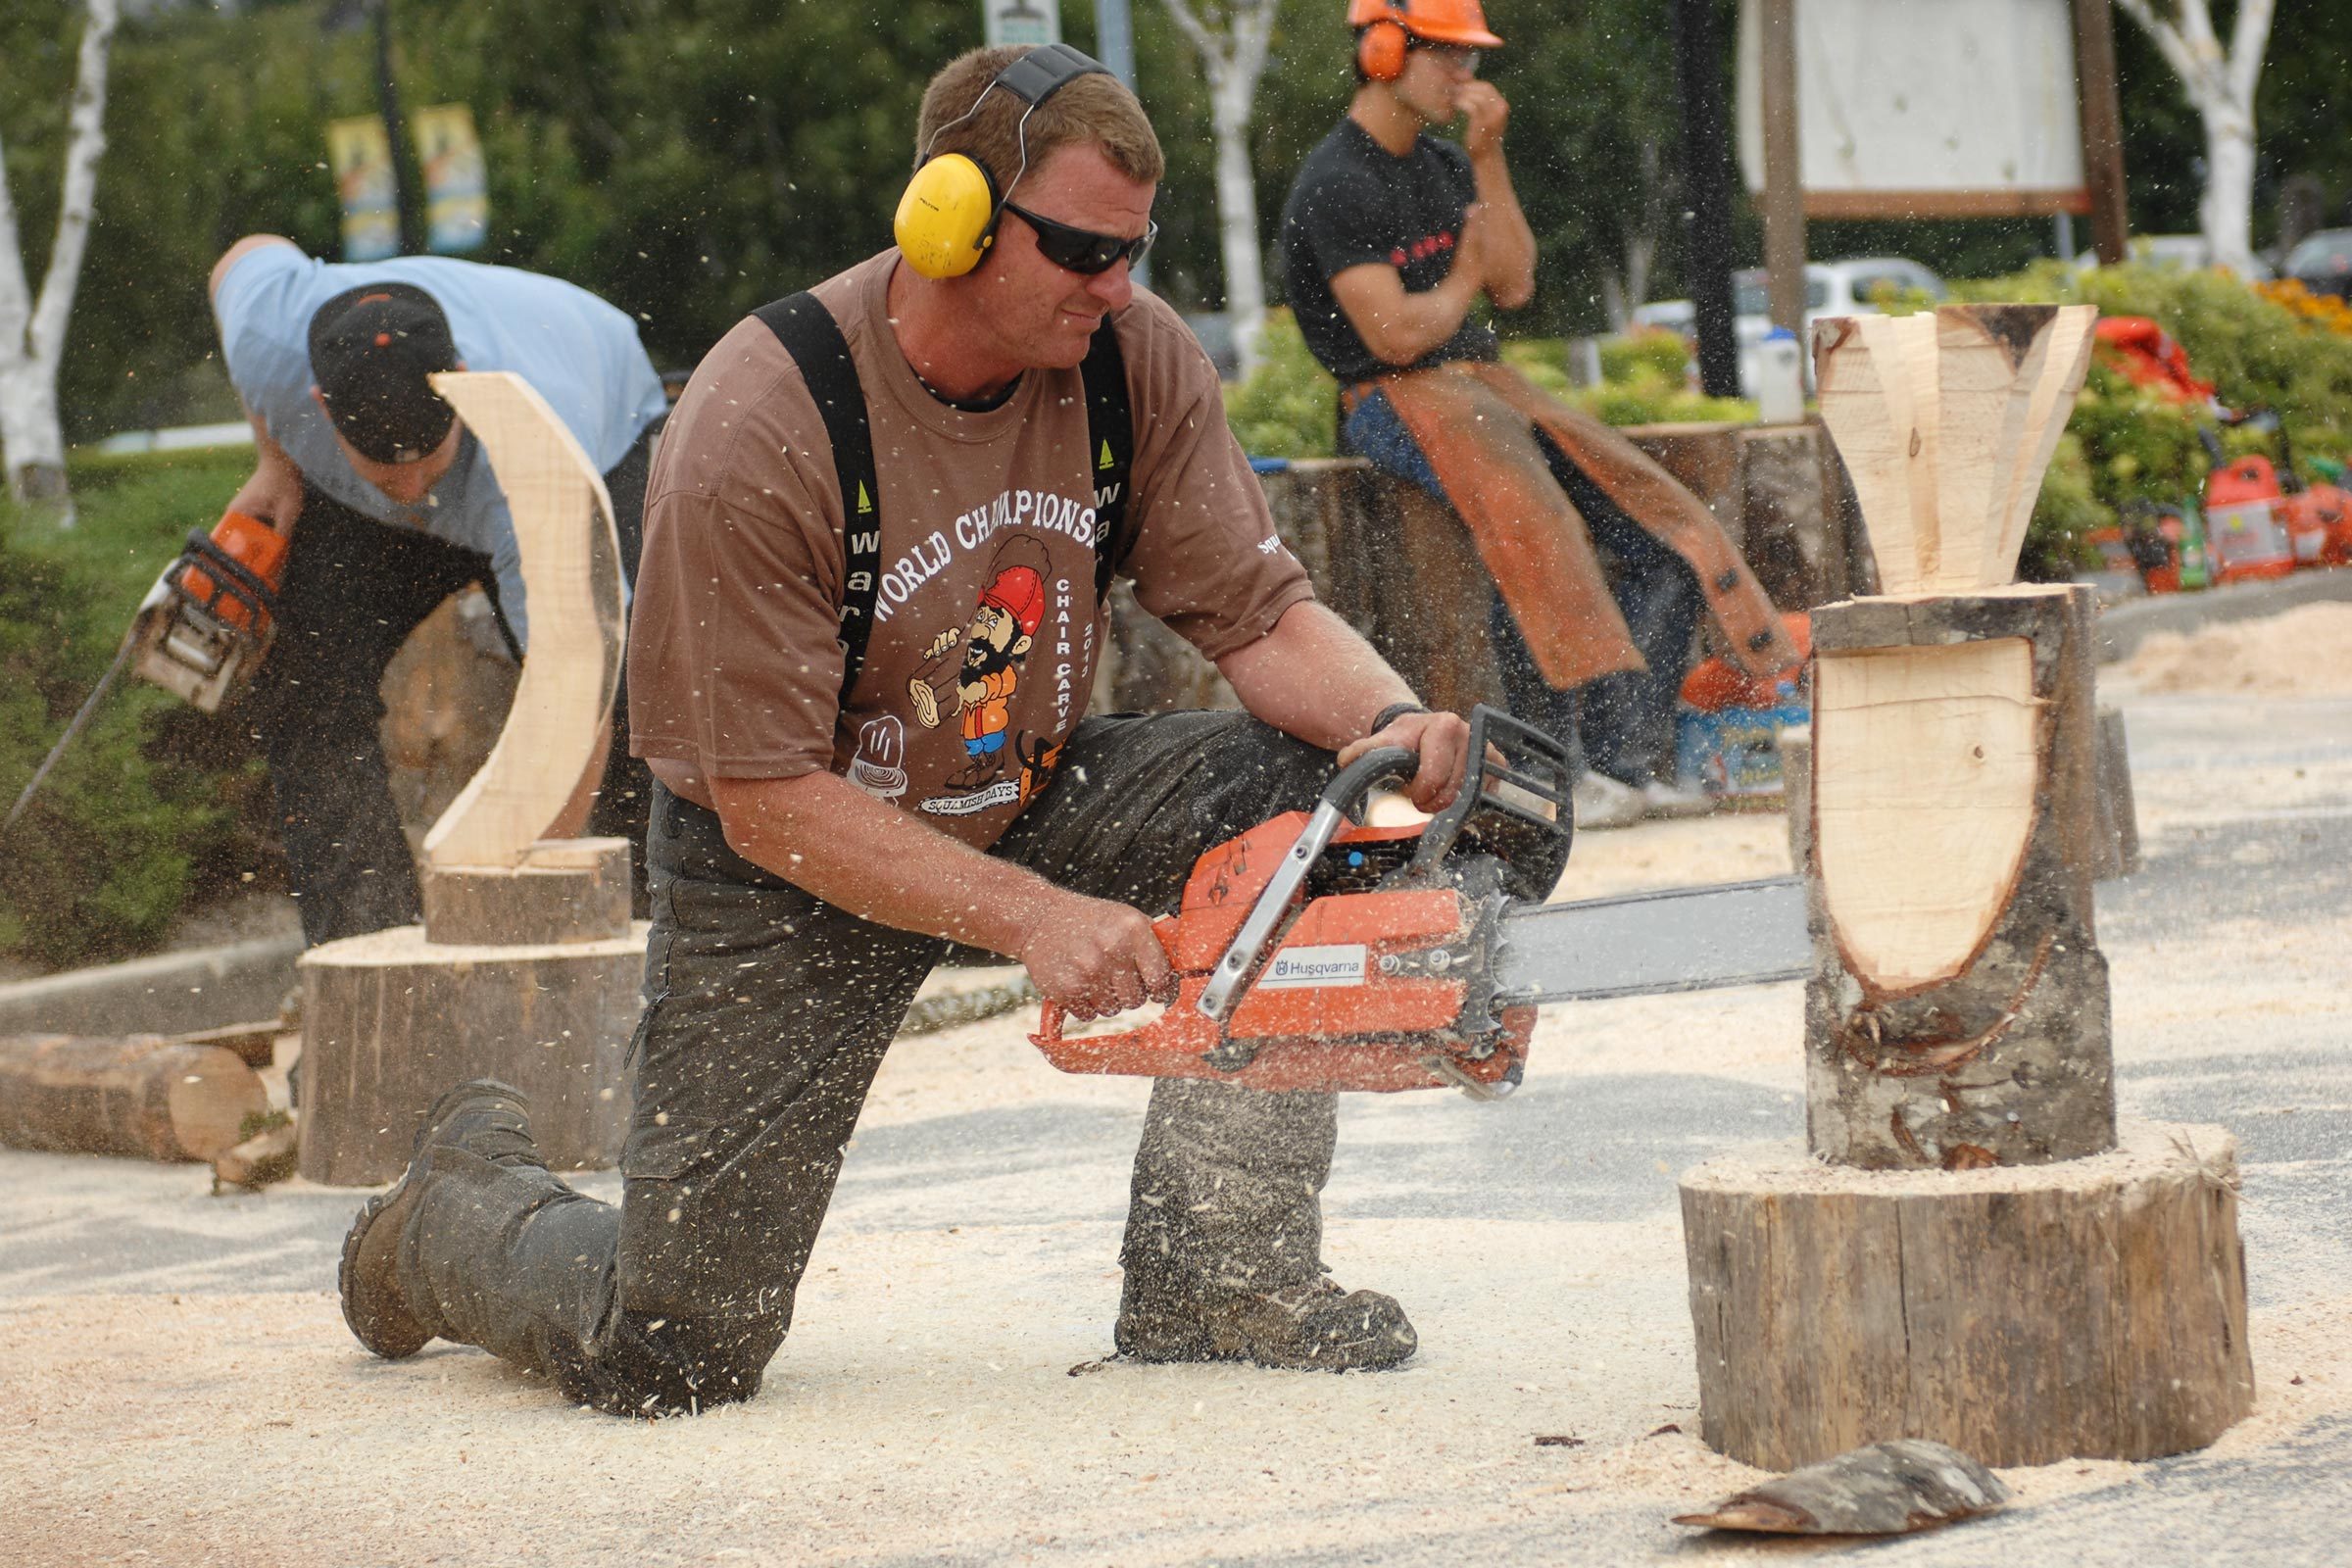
(527, 966)
(1968, 1250)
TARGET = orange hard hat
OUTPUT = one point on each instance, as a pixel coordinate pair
(1456, 22)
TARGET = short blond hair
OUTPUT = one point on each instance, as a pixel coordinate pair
(1094, 109)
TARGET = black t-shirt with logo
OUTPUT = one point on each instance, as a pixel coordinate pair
(1353, 202)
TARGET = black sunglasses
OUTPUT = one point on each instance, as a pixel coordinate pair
(1081, 250)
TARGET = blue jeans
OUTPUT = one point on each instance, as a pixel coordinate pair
(1623, 724)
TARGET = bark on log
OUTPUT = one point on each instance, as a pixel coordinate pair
(145, 1095)
(391, 1021)
(2094, 1308)
(2001, 1056)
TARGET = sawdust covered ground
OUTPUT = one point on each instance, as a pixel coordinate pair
(179, 1384)
(2305, 652)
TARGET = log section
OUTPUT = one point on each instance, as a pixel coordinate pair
(2093, 1309)
(144, 1096)
(391, 1021)
(566, 890)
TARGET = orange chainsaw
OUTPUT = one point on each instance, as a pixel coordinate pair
(1316, 952)
(200, 632)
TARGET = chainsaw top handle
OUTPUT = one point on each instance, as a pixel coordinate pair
(1513, 804)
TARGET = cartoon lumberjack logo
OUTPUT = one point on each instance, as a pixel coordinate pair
(995, 641)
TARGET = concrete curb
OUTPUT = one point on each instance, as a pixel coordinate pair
(2124, 626)
(171, 992)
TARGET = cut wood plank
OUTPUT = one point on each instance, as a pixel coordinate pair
(1866, 402)
(1990, 361)
(1914, 340)
(2065, 363)
(1924, 766)
(571, 574)
(145, 1095)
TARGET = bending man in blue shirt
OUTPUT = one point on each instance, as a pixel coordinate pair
(391, 507)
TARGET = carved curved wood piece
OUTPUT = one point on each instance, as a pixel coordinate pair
(571, 574)
(1924, 769)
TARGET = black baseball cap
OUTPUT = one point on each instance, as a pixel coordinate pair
(372, 348)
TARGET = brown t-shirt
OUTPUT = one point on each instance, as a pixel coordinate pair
(984, 626)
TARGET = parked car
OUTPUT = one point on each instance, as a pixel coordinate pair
(2177, 253)
(1848, 287)
(2322, 262)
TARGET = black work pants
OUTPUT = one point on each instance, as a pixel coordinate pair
(767, 1015)
(353, 591)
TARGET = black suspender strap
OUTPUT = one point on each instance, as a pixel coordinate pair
(1110, 450)
(814, 340)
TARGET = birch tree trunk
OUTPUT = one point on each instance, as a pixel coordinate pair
(32, 331)
(1232, 56)
(2220, 87)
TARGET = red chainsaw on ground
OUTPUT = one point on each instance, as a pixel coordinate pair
(1314, 952)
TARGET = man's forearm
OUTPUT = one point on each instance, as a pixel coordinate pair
(830, 838)
(1510, 243)
(1314, 677)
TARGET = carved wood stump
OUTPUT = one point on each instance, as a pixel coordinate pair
(1963, 1252)
(1957, 1015)
(527, 968)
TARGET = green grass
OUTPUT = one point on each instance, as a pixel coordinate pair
(155, 807)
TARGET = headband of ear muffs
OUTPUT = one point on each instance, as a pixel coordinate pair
(947, 219)
(1380, 51)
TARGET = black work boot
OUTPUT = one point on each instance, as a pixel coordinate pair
(484, 1117)
(1314, 1326)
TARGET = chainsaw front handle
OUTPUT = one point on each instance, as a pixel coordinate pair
(1385, 763)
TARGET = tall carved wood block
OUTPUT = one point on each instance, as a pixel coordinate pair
(1957, 1015)
(1964, 1251)
(527, 966)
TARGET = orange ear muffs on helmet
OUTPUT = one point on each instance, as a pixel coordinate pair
(1380, 51)
(947, 219)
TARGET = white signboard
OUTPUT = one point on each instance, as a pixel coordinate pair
(1928, 108)
(1031, 22)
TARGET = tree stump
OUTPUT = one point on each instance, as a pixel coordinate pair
(392, 1018)
(144, 1096)
(1963, 1254)
(2090, 1308)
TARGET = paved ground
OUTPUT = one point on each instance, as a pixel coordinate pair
(178, 1386)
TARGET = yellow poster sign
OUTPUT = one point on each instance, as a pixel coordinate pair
(361, 156)
(456, 196)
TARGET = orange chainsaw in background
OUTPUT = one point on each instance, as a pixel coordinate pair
(1316, 952)
(201, 631)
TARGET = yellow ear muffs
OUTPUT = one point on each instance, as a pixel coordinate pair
(1380, 51)
(948, 218)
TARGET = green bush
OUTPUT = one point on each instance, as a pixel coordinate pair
(2128, 443)
(1290, 409)
(1291, 406)
(155, 805)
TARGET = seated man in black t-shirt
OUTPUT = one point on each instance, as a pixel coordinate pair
(1389, 238)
